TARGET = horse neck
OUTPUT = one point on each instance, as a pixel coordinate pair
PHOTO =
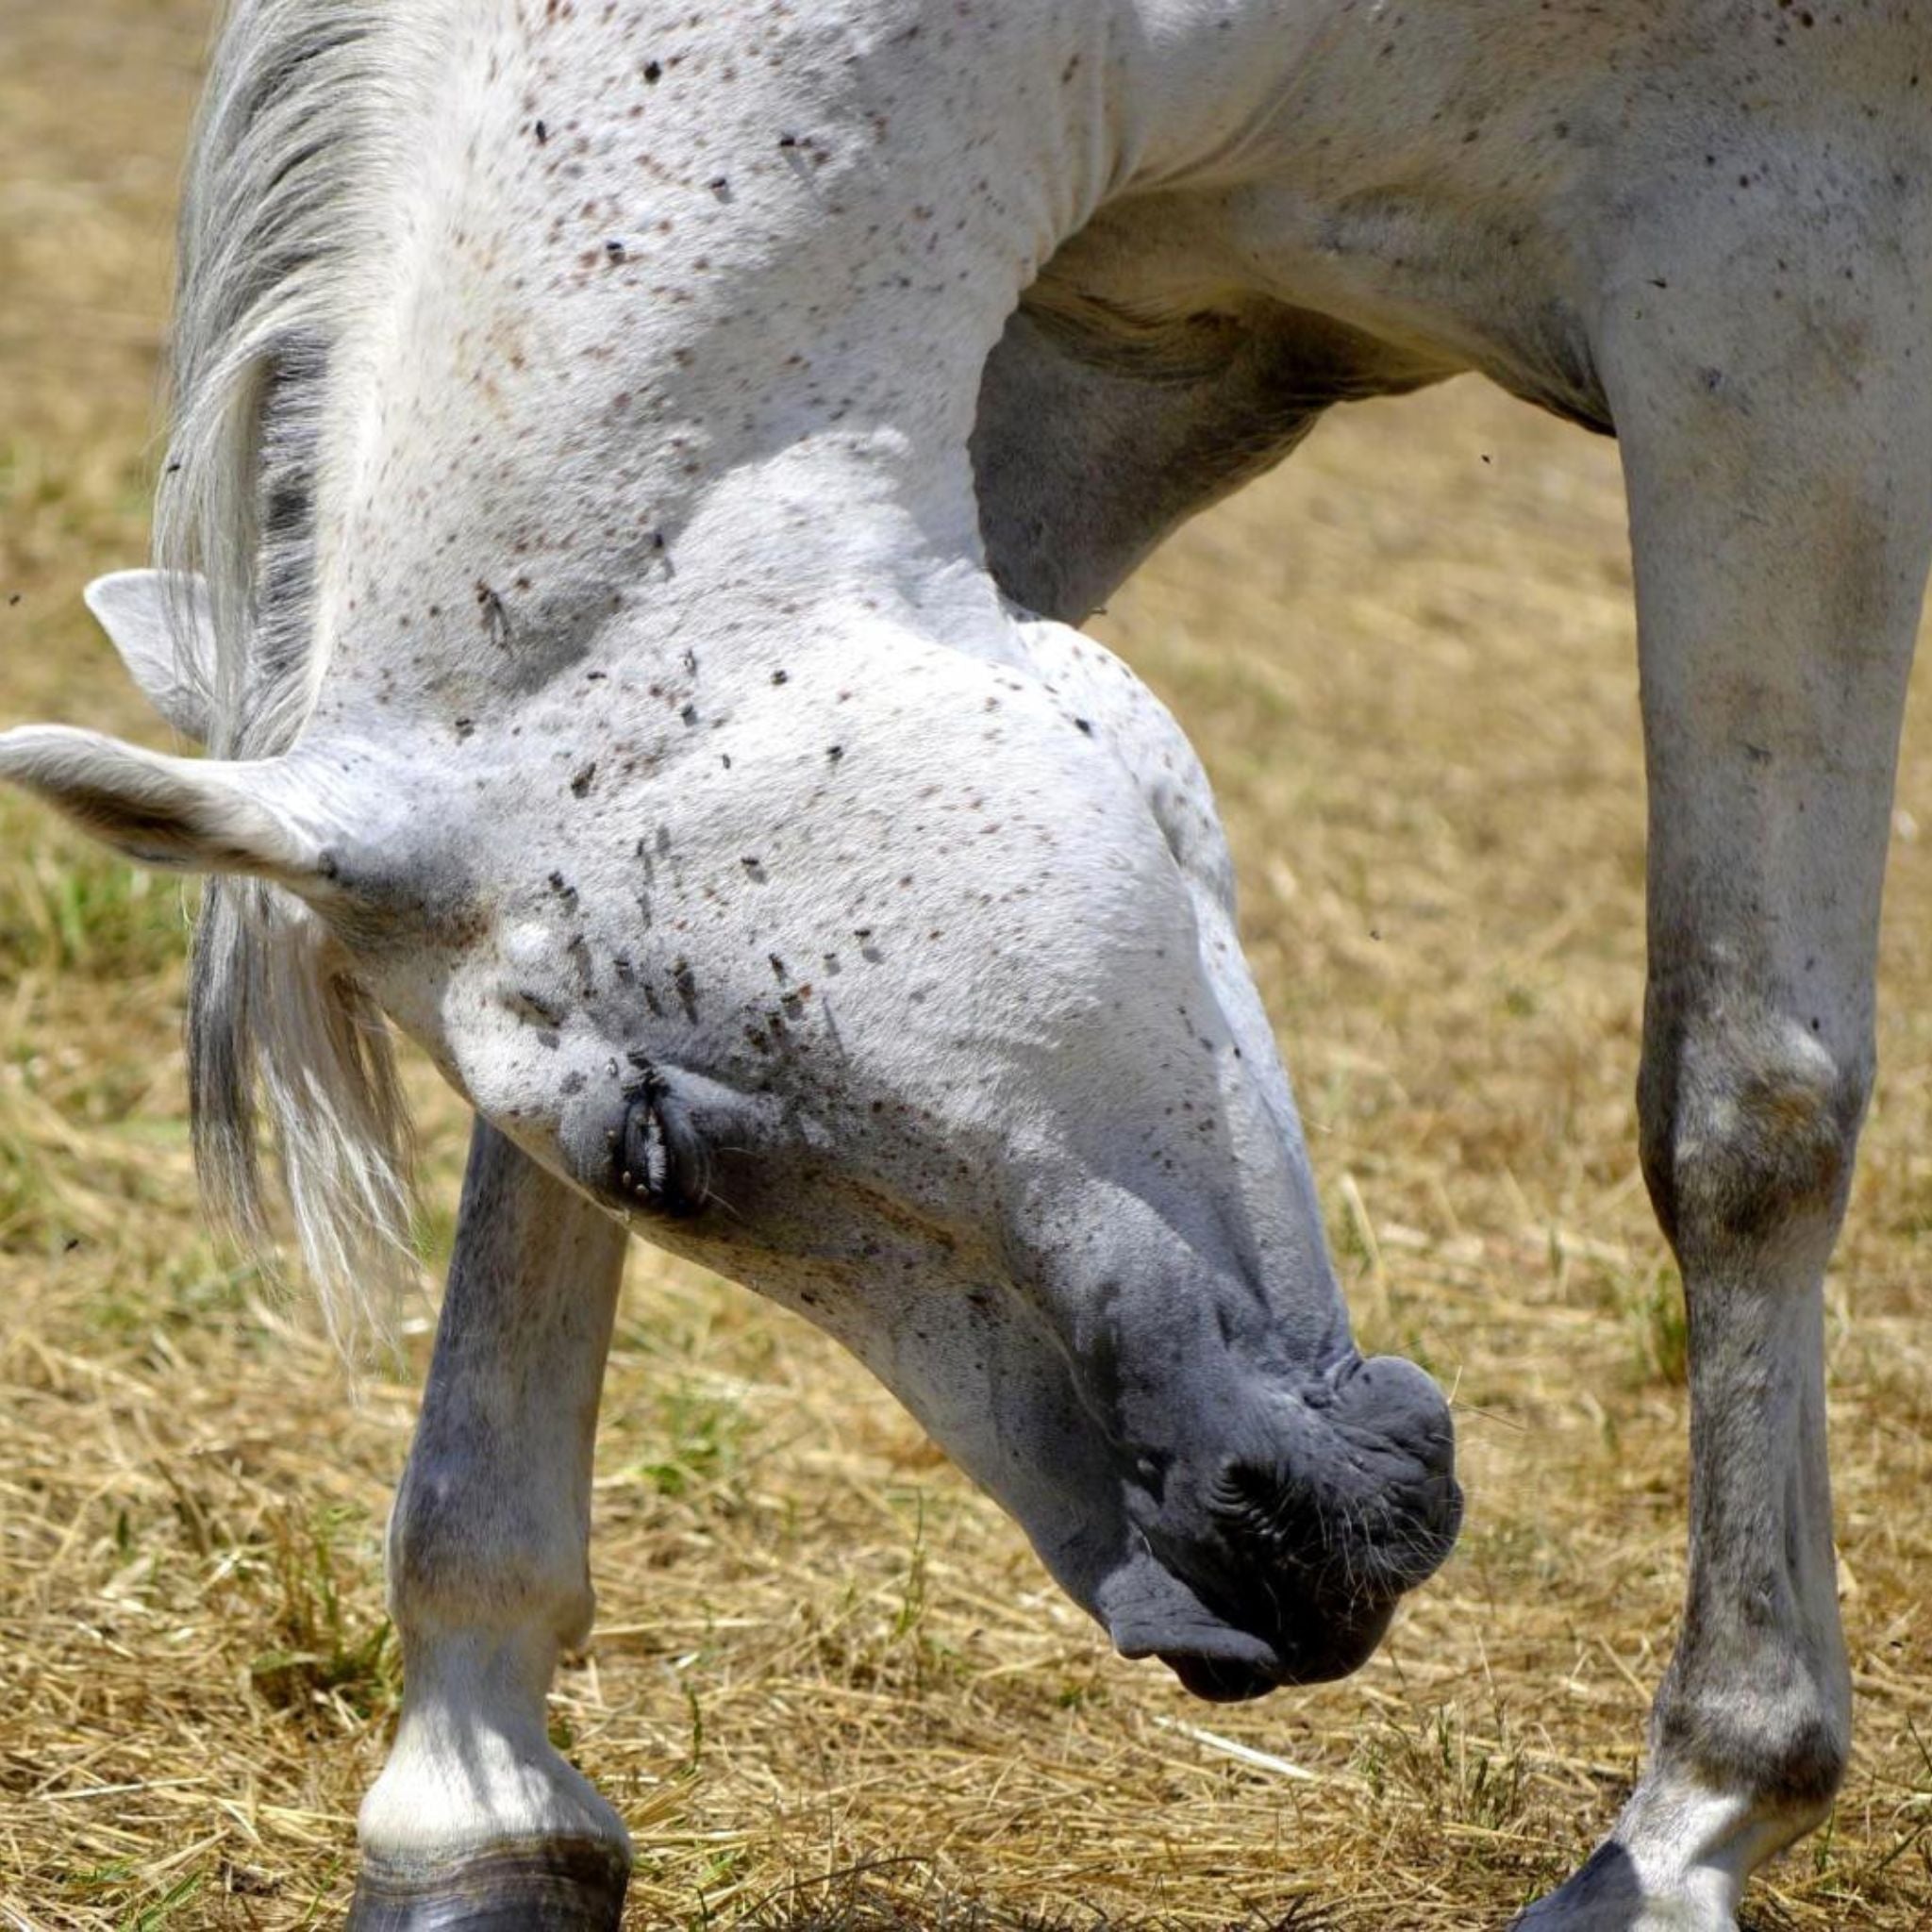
(692, 309)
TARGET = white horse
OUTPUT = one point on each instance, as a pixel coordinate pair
(621, 448)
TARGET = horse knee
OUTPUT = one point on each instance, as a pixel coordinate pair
(1748, 1127)
(1777, 1736)
(463, 1555)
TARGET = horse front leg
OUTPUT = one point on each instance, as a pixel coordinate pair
(477, 1821)
(1772, 394)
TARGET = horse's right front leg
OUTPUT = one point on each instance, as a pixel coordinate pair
(477, 1821)
(1775, 417)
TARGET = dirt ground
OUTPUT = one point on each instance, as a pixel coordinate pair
(830, 1687)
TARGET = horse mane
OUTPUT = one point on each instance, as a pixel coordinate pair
(276, 211)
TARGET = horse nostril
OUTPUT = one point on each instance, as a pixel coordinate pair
(1267, 1508)
(1433, 1445)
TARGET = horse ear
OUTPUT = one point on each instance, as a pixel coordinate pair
(160, 623)
(184, 814)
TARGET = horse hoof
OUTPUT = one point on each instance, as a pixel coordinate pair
(1607, 1896)
(568, 1884)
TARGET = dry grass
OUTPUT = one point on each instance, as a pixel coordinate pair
(831, 1688)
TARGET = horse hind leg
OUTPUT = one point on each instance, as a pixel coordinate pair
(476, 1822)
(1776, 416)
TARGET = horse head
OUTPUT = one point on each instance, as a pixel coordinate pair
(901, 984)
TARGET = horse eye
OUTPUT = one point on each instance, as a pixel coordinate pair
(645, 1161)
(656, 1159)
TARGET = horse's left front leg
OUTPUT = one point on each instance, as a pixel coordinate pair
(1772, 384)
(477, 1822)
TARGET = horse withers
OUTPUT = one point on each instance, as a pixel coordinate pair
(632, 474)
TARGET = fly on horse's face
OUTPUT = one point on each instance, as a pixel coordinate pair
(900, 983)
